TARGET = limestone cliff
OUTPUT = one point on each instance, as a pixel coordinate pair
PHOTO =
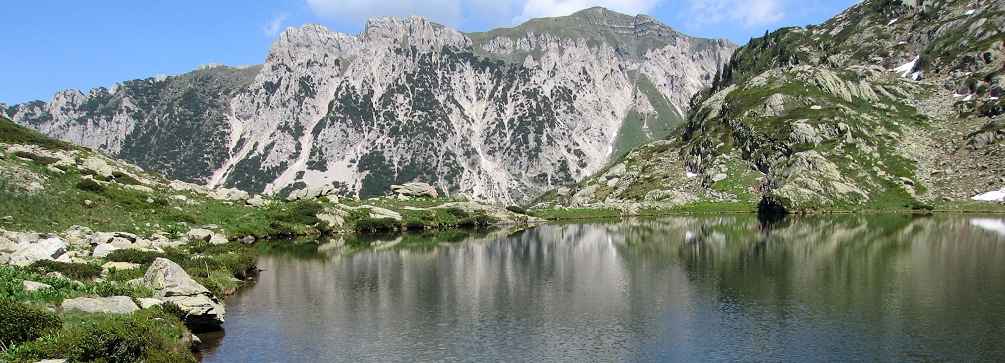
(501, 115)
(890, 105)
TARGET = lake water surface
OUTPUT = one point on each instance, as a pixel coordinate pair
(718, 288)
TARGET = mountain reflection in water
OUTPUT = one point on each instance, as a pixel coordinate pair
(720, 288)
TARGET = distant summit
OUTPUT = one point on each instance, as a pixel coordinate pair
(502, 115)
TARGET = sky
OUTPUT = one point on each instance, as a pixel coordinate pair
(51, 45)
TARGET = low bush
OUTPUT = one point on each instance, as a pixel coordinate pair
(44, 160)
(152, 335)
(172, 309)
(457, 212)
(89, 185)
(304, 212)
(12, 133)
(127, 274)
(240, 265)
(480, 220)
(415, 224)
(516, 209)
(77, 271)
(123, 178)
(20, 323)
(133, 256)
(370, 225)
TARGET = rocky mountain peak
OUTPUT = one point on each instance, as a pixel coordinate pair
(500, 115)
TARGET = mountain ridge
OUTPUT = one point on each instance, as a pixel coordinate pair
(500, 119)
(889, 105)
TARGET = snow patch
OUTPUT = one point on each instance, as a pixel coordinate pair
(992, 196)
(907, 68)
(894, 20)
(957, 95)
(993, 98)
(916, 75)
(970, 12)
(691, 175)
(969, 97)
(901, 42)
(991, 224)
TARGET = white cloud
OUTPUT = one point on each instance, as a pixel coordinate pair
(749, 13)
(355, 11)
(275, 25)
(475, 15)
(547, 8)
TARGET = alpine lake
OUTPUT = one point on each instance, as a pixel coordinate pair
(859, 288)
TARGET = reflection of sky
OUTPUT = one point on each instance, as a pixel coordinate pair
(847, 289)
(993, 225)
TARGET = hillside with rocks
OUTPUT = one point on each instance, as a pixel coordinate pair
(889, 105)
(502, 115)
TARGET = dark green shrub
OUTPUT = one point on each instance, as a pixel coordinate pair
(12, 133)
(127, 338)
(302, 212)
(516, 209)
(20, 323)
(415, 224)
(369, 225)
(171, 309)
(127, 274)
(123, 178)
(44, 160)
(480, 220)
(457, 212)
(89, 185)
(77, 271)
(133, 256)
(107, 288)
(238, 264)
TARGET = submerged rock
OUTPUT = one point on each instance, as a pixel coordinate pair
(171, 283)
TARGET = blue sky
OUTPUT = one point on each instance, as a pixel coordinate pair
(47, 46)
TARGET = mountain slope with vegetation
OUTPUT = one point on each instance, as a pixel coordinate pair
(890, 105)
(501, 115)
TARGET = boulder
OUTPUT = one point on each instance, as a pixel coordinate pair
(377, 212)
(313, 192)
(103, 250)
(257, 201)
(34, 285)
(169, 282)
(26, 237)
(199, 235)
(228, 194)
(146, 302)
(98, 165)
(108, 305)
(4, 258)
(7, 244)
(78, 235)
(420, 190)
(46, 249)
(120, 242)
(331, 220)
(98, 238)
(217, 239)
(108, 237)
(119, 266)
